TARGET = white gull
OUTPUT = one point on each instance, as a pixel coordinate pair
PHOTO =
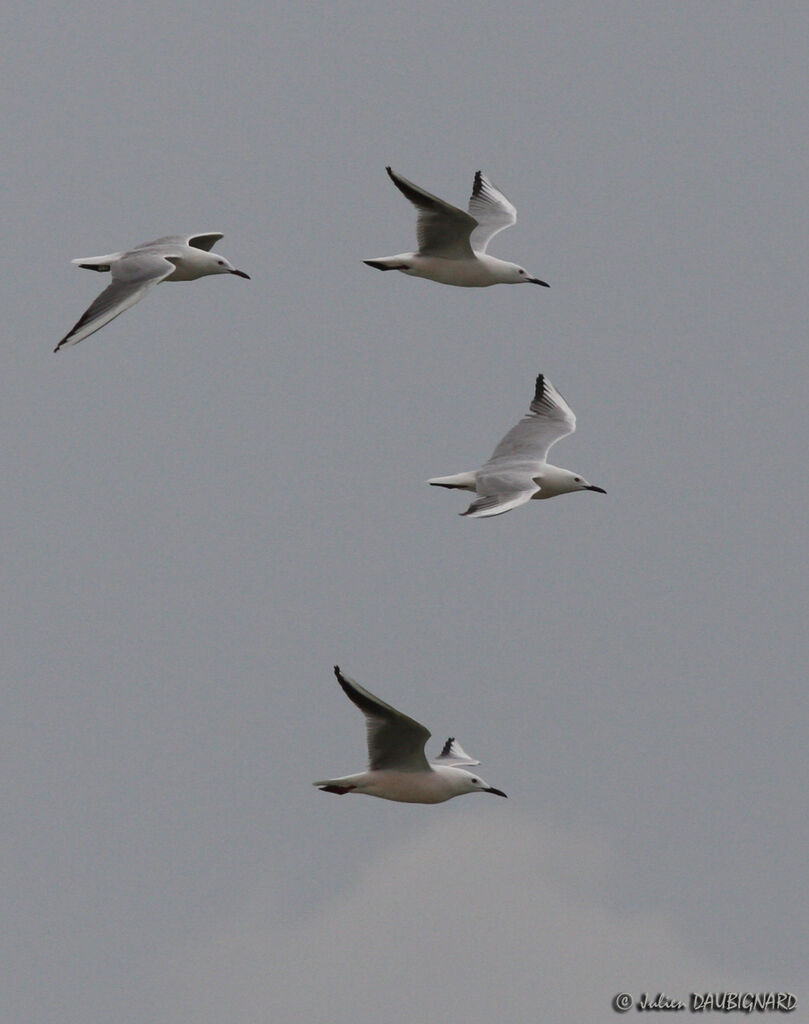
(398, 768)
(134, 272)
(452, 244)
(517, 470)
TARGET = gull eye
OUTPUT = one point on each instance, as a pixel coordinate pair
(522, 271)
(577, 480)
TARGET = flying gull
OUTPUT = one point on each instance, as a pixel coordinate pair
(398, 768)
(173, 258)
(452, 244)
(517, 470)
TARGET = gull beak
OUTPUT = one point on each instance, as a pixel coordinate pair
(240, 273)
(536, 280)
(497, 792)
(593, 487)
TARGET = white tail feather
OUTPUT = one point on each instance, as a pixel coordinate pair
(463, 481)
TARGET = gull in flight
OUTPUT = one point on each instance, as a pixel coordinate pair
(173, 258)
(517, 470)
(452, 244)
(398, 768)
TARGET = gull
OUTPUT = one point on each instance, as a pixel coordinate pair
(452, 244)
(398, 768)
(517, 470)
(173, 258)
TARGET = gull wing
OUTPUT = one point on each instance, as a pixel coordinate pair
(453, 754)
(549, 419)
(441, 229)
(502, 500)
(132, 276)
(491, 210)
(507, 479)
(205, 240)
(394, 740)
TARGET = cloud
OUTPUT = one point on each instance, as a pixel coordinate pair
(469, 920)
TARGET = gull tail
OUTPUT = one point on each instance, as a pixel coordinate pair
(333, 786)
(99, 263)
(464, 481)
(386, 263)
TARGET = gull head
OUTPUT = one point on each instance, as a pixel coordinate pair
(519, 275)
(578, 483)
(553, 481)
(219, 265)
(465, 782)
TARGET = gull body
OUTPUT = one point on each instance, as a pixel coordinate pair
(517, 471)
(452, 243)
(398, 768)
(134, 272)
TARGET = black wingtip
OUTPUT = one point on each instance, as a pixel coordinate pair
(345, 685)
(446, 747)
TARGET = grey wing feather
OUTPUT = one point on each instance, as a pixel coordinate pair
(394, 740)
(453, 754)
(142, 268)
(166, 240)
(441, 229)
(498, 502)
(549, 419)
(492, 211)
(203, 240)
(132, 277)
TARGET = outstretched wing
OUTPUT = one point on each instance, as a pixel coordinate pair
(511, 495)
(441, 229)
(491, 210)
(132, 276)
(453, 754)
(508, 478)
(394, 740)
(206, 242)
(549, 419)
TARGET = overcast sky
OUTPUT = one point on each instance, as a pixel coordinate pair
(222, 494)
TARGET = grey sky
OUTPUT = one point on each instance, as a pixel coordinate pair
(222, 493)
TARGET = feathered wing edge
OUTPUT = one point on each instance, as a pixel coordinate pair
(453, 754)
